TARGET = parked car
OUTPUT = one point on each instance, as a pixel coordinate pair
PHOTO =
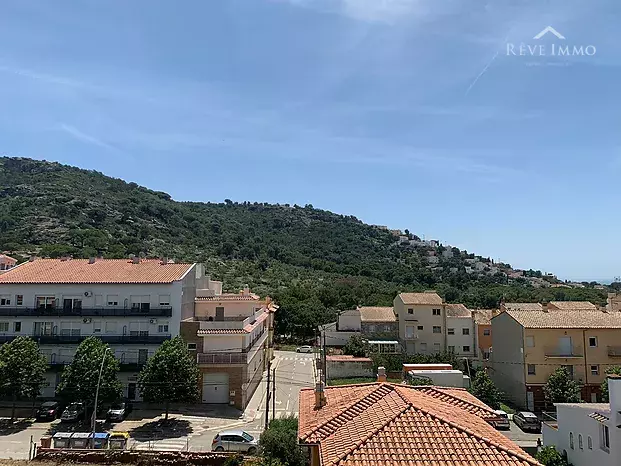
(526, 420)
(49, 410)
(118, 411)
(503, 420)
(304, 349)
(73, 413)
(235, 440)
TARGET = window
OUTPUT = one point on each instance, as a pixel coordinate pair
(409, 331)
(593, 342)
(110, 328)
(450, 331)
(436, 312)
(387, 328)
(437, 329)
(4, 326)
(465, 348)
(371, 328)
(594, 369)
(162, 328)
(486, 355)
(487, 332)
(19, 300)
(43, 328)
(46, 302)
(436, 347)
(465, 331)
(451, 349)
(5, 301)
(571, 440)
(604, 438)
(191, 346)
(17, 327)
(70, 328)
(580, 442)
(531, 369)
(420, 327)
(423, 347)
(112, 300)
(97, 326)
(410, 311)
(589, 443)
(164, 300)
(530, 342)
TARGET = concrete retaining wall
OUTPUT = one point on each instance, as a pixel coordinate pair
(343, 367)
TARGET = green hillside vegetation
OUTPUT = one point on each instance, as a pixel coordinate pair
(311, 261)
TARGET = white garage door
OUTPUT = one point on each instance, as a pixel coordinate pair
(215, 388)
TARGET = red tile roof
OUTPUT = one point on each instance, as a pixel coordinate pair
(392, 424)
(220, 331)
(101, 271)
(229, 297)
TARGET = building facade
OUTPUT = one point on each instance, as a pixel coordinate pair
(422, 322)
(231, 335)
(528, 346)
(588, 433)
(483, 332)
(6, 262)
(460, 331)
(133, 305)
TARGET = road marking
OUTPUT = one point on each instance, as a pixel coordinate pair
(287, 406)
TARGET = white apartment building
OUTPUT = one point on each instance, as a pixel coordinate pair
(133, 305)
(422, 322)
(460, 331)
(589, 433)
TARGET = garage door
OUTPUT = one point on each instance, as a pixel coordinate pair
(215, 388)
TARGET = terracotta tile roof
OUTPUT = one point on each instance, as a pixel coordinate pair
(9, 258)
(599, 417)
(229, 297)
(457, 310)
(462, 398)
(573, 305)
(431, 298)
(394, 424)
(523, 306)
(346, 358)
(567, 319)
(483, 316)
(259, 320)
(101, 271)
(377, 314)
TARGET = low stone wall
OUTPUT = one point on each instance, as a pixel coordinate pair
(132, 457)
(344, 367)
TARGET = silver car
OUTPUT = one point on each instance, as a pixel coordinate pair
(235, 440)
(304, 349)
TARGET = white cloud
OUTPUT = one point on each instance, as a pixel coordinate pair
(83, 137)
(367, 10)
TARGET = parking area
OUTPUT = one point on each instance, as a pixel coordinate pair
(523, 439)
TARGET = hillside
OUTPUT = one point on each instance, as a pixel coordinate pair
(312, 261)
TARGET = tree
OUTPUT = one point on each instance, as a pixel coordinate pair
(80, 378)
(560, 388)
(170, 375)
(280, 442)
(484, 389)
(548, 456)
(604, 387)
(355, 346)
(22, 369)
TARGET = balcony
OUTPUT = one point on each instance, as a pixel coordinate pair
(162, 311)
(127, 364)
(558, 352)
(614, 351)
(222, 358)
(76, 339)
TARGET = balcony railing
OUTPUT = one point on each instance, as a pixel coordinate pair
(558, 352)
(162, 311)
(222, 358)
(614, 351)
(76, 339)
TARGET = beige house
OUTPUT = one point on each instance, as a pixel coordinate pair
(231, 334)
(529, 345)
(422, 322)
(460, 331)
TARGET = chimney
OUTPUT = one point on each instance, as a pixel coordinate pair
(31, 259)
(381, 374)
(164, 260)
(246, 290)
(320, 396)
(91, 260)
(545, 306)
(135, 259)
(614, 395)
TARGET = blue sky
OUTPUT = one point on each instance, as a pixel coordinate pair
(407, 113)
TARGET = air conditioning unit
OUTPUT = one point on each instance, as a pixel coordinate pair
(88, 294)
(153, 321)
(87, 320)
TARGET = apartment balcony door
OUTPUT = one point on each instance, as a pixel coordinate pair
(143, 354)
(570, 370)
(564, 345)
(219, 314)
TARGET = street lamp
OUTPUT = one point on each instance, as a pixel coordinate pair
(103, 359)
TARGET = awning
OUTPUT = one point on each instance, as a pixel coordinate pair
(599, 417)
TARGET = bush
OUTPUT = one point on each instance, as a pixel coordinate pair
(548, 456)
(280, 442)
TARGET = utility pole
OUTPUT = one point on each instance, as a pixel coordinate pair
(267, 397)
(274, 395)
(323, 365)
